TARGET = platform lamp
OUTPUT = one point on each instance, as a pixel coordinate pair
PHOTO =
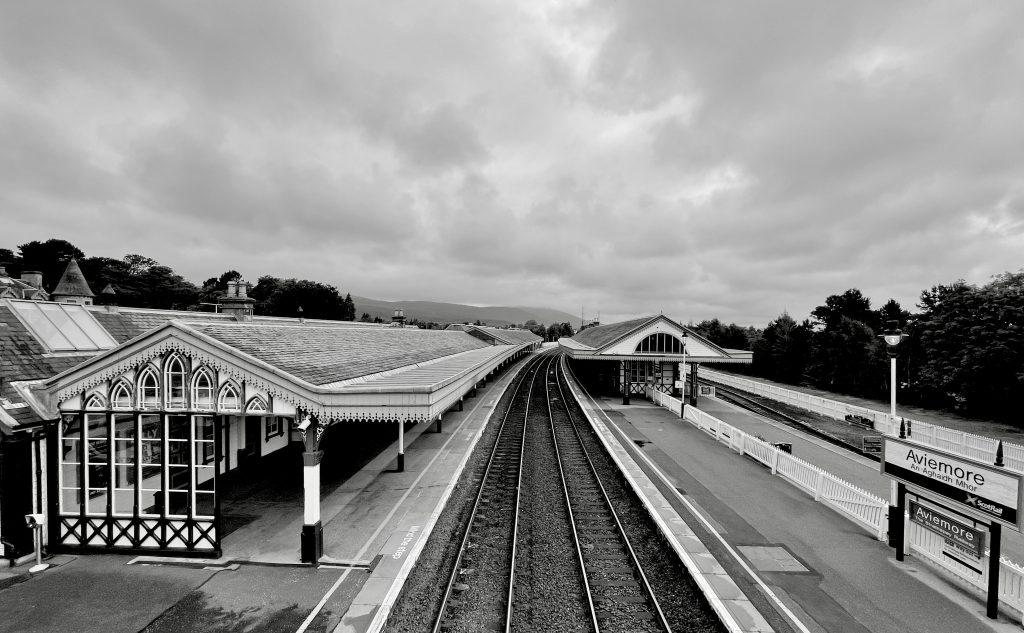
(892, 338)
(897, 514)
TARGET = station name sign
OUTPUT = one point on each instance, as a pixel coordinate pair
(985, 490)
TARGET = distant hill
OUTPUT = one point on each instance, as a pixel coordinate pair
(444, 313)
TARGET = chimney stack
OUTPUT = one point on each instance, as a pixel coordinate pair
(33, 278)
(236, 302)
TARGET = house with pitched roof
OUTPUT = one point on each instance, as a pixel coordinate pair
(120, 425)
(628, 357)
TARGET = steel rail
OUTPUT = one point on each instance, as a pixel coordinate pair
(519, 491)
(745, 402)
(648, 590)
(588, 593)
(527, 372)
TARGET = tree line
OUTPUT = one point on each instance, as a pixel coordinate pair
(138, 281)
(141, 282)
(963, 350)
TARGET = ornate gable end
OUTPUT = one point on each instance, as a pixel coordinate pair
(696, 346)
(127, 362)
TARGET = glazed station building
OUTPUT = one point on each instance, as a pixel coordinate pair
(625, 358)
(125, 420)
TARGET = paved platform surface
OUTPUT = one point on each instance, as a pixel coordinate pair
(849, 581)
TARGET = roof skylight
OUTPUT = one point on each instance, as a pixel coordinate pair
(63, 327)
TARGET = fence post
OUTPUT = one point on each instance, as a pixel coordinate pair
(775, 460)
(820, 486)
(743, 442)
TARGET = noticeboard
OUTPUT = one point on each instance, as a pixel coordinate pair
(967, 538)
(980, 489)
(871, 445)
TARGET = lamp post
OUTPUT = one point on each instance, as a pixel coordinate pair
(682, 379)
(897, 514)
(892, 338)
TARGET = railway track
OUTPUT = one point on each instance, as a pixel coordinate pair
(488, 542)
(745, 402)
(618, 594)
(555, 540)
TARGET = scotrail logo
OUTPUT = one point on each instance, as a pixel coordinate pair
(991, 508)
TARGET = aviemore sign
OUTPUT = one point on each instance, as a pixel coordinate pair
(985, 490)
(968, 538)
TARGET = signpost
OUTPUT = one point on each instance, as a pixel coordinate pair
(981, 490)
(988, 492)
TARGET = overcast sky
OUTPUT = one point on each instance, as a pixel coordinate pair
(701, 159)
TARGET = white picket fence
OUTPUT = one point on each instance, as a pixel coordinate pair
(967, 444)
(862, 507)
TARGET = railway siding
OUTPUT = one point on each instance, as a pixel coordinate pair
(734, 609)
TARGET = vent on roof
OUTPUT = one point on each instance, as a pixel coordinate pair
(63, 327)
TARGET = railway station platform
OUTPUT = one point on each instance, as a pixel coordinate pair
(380, 518)
(810, 569)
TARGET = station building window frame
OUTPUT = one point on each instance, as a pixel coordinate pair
(144, 477)
(660, 343)
(121, 395)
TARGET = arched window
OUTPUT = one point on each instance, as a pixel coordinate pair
(95, 401)
(660, 343)
(121, 396)
(174, 382)
(148, 389)
(256, 405)
(202, 390)
(229, 400)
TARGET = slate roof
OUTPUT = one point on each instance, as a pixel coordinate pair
(127, 323)
(513, 337)
(433, 373)
(500, 335)
(22, 357)
(323, 355)
(601, 335)
(72, 282)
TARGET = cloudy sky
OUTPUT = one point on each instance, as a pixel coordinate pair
(701, 159)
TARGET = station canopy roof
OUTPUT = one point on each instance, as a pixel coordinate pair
(648, 338)
(333, 373)
(319, 363)
(497, 336)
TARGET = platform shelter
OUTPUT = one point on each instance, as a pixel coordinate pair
(134, 434)
(630, 356)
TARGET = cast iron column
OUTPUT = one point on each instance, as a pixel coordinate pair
(311, 542)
